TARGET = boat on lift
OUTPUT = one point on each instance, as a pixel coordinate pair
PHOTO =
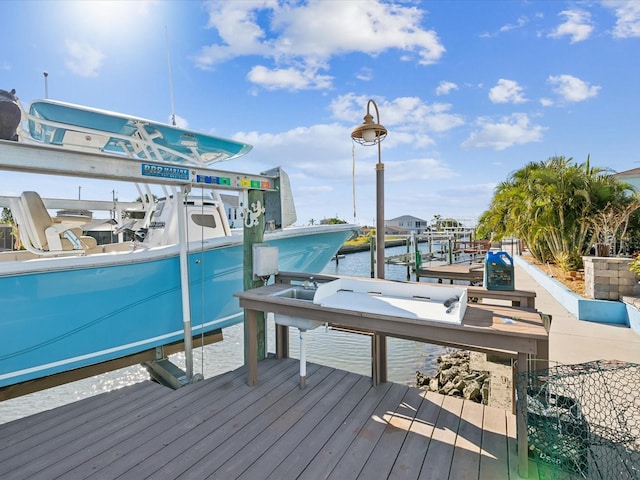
(70, 302)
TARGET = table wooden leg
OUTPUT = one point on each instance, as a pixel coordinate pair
(541, 361)
(251, 346)
(521, 420)
(379, 358)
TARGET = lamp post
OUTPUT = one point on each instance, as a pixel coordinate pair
(370, 133)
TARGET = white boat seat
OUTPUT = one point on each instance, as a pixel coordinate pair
(43, 234)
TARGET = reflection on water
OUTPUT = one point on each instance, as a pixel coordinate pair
(324, 346)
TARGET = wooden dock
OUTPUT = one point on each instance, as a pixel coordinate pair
(472, 273)
(339, 427)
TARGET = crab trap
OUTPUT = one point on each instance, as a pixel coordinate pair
(583, 420)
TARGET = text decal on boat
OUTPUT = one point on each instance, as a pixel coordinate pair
(165, 172)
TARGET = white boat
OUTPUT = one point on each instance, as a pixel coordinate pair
(69, 302)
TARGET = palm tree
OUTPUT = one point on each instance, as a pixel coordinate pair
(550, 205)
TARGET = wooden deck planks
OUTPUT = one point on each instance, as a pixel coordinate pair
(409, 461)
(494, 461)
(360, 450)
(187, 446)
(466, 455)
(60, 438)
(398, 426)
(100, 448)
(332, 451)
(151, 427)
(301, 456)
(248, 426)
(437, 462)
(280, 451)
(282, 429)
(24, 429)
(339, 427)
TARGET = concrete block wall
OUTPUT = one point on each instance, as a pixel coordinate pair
(609, 278)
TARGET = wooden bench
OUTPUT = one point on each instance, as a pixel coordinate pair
(473, 273)
(518, 298)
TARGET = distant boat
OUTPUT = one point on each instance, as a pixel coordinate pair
(69, 302)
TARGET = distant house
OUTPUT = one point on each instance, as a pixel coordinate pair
(406, 225)
(631, 177)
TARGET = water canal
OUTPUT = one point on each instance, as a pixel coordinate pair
(341, 350)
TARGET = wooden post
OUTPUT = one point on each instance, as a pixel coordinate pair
(253, 232)
(372, 247)
(521, 419)
(378, 359)
(408, 259)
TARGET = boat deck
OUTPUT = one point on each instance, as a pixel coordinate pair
(339, 427)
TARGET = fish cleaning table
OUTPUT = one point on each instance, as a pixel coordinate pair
(518, 332)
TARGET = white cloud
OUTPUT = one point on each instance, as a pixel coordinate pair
(571, 88)
(628, 17)
(402, 171)
(515, 129)
(521, 22)
(546, 102)
(326, 162)
(444, 88)
(577, 26)
(310, 34)
(365, 74)
(83, 59)
(507, 91)
(288, 78)
(409, 115)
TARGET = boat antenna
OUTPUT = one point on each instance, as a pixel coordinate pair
(46, 86)
(173, 113)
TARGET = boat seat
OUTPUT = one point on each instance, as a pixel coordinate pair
(12, 256)
(41, 234)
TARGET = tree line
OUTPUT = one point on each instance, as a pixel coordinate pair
(563, 210)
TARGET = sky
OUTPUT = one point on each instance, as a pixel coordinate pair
(468, 90)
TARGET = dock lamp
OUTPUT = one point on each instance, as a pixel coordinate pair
(370, 133)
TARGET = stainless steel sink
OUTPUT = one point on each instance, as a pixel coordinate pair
(298, 293)
(304, 294)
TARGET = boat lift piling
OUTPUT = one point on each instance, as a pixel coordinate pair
(253, 234)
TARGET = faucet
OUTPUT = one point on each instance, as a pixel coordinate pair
(312, 281)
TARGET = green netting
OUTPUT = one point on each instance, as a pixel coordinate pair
(583, 420)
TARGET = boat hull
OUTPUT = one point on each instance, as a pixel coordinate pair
(58, 317)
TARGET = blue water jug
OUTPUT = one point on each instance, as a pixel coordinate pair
(498, 271)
